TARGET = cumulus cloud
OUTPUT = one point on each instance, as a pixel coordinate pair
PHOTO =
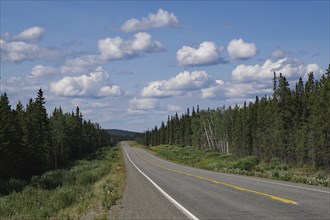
(110, 91)
(252, 80)
(19, 48)
(30, 34)
(206, 54)
(143, 103)
(289, 68)
(19, 51)
(24, 87)
(240, 50)
(94, 84)
(278, 53)
(160, 19)
(40, 70)
(214, 91)
(225, 91)
(173, 108)
(114, 49)
(155, 89)
(245, 90)
(81, 64)
(178, 85)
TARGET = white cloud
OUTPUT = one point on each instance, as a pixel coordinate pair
(246, 90)
(214, 91)
(161, 19)
(312, 68)
(188, 81)
(20, 51)
(155, 89)
(206, 54)
(40, 70)
(81, 64)
(23, 87)
(178, 85)
(110, 91)
(94, 84)
(116, 48)
(30, 34)
(240, 50)
(289, 69)
(143, 104)
(173, 108)
(278, 53)
(113, 49)
(225, 91)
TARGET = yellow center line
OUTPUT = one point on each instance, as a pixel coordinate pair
(219, 182)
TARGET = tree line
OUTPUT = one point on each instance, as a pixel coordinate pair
(31, 142)
(292, 125)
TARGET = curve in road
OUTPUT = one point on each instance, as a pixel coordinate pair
(211, 195)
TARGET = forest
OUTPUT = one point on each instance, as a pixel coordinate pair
(32, 142)
(292, 125)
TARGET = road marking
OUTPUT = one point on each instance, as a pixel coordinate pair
(247, 178)
(173, 201)
(219, 182)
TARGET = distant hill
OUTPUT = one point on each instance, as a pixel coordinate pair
(121, 135)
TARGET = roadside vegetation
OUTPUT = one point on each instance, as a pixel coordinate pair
(284, 136)
(89, 188)
(250, 165)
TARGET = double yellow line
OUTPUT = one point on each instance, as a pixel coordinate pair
(219, 182)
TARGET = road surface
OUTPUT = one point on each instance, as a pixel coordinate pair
(159, 189)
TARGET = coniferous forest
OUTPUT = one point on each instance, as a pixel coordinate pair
(32, 142)
(292, 125)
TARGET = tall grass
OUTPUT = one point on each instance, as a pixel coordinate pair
(251, 165)
(65, 193)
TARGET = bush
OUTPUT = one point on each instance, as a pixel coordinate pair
(251, 165)
(9, 185)
(63, 197)
(247, 163)
(87, 178)
(49, 180)
(285, 175)
(213, 166)
(110, 194)
(277, 164)
(319, 178)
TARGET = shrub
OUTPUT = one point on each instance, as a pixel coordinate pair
(213, 166)
(110, 194)
(274, 174)
(277, 164)
(285, 175)
(49, 180)
(247, 163)
(63, 197)
(87, 178)
(9, 185)
(319, 178)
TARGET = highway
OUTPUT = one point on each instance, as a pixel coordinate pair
(159, 189)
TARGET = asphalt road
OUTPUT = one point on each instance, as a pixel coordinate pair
(159, 189)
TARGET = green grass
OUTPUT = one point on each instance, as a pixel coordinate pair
(251, 165)
(69, 194)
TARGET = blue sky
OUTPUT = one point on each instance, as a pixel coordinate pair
(129, 64)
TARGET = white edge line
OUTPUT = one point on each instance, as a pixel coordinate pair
(173, 201)
(247, 178)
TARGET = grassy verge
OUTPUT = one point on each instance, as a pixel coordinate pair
(90, 186)
(251, 166)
